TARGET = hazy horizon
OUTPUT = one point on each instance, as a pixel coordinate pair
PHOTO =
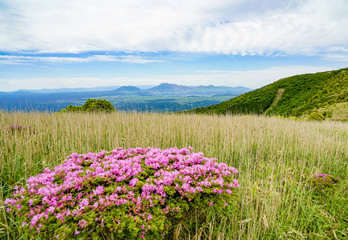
(116, 87)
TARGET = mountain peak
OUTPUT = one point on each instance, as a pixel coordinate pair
(170, 88)
(128, 89)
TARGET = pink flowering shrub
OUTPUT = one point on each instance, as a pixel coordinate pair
(19, 128)
(125, 194)
(322, 181)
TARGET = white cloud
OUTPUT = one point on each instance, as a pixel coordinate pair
(246, 27)
(339, 54)
(336, 57)
(15, 59)
(248, 78)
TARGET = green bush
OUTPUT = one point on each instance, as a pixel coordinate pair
(327, 114)
(98, 105)
(72, 108)
(92, 105)
(315, 116)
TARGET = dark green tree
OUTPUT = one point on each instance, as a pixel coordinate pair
(72, 108)
(98, 105)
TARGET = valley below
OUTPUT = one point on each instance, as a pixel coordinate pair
(162, 98)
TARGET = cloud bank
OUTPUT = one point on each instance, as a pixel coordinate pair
(238, 27)
(15, 59)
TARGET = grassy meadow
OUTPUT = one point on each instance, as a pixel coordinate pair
(275, 158)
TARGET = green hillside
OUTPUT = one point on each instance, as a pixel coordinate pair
(293, 96)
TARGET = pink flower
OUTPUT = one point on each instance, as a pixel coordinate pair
(35, 219)
(82, 223)
(99, 190)
(31, 201)
(9, 201)
(39, 227)
(84, 202)
(133, 182)
(211, 204)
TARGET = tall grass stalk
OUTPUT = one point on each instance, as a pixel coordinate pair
(275, 158)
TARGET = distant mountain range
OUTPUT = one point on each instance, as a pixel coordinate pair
(164, 89)
(180, 90)
(140, 98)
(325, 92)
(66, 90)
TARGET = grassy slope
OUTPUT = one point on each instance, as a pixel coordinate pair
(274, 157)
(303, 94)
(339, 111)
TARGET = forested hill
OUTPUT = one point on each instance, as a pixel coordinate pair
(293, 96)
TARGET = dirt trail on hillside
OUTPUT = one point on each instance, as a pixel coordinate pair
(277, 97)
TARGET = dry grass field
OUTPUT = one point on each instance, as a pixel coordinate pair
(275, 158)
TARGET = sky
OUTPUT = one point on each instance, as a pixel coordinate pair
(89, 43)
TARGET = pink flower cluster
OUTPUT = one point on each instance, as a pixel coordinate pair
(325, 178)
(18, 127)
(97, 181)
